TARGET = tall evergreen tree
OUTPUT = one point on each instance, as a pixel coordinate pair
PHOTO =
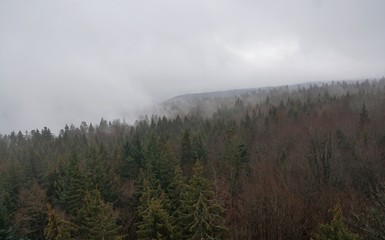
(100, 173)
(204, 213)
(72, 185)
(199, 151)
(178, 208)
(235, 160)
(57, 228)
(96, 219)
(129, 167)
(155, 222)
(186, 159)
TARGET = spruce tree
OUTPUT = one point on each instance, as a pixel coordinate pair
(186, 158)
(96, 219)
(204, 213)
(165, 164)
(72, 185)
(57, 228)
(178, 209)
(129, 167)
(155, 222)
(199, 151)
(101, 173)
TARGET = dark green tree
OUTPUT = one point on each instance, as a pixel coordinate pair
(155, 222)
(129, 166)
(199, 151)
(186, 158)
(57, 228)
(100, 173)
(72, 185)
(205, 214)
(178, 208)
(235, 160)
(96, 219)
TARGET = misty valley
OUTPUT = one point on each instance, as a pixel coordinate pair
(301, 161)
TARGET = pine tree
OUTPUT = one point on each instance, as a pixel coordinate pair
(145, 187)
(202, 227)
(100, 173)
(129, 167)
(204, 213)
(186, 159)
(165, 164)
(71, 185)
(57, 228)
(199, 151)
(178, 209)
(155, 222)
(96, 219)
(146, 193)
(136, 151)
(235, 160)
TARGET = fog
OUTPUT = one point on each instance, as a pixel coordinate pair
(69, 61)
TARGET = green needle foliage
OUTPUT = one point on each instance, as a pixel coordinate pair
(96, 219)
(57, 228)
(204, 216)
(72, 185)
(155, 222)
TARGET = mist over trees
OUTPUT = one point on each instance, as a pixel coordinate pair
(282, 163)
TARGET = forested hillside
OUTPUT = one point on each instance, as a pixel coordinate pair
(298, 163)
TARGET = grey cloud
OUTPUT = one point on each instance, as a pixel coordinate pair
(69, 61)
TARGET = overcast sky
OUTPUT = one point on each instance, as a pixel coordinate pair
(73, 60)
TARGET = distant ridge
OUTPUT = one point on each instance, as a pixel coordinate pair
(224, 93)
(238, 92)
(206, 103)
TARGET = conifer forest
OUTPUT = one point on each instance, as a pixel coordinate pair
(296, 163)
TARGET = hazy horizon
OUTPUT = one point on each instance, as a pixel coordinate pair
(155, 109)
(64, 62)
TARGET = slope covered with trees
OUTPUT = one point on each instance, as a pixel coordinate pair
(303, 163)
